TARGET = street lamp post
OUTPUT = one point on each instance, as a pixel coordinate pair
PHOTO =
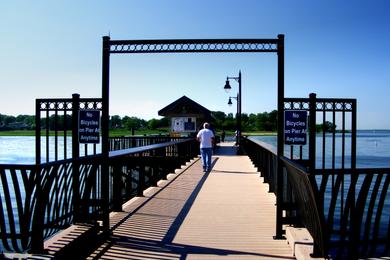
(227, 89)
(230, 103)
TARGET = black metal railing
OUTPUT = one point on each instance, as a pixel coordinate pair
(125, 142)
(309, 215)
(135, 169)
(36, 200)
(357, 211)
(39, 200)
(265, 158)
(18, 187)
(346, 210)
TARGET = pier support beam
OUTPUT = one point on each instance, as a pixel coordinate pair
(280, 145)
(105, 178)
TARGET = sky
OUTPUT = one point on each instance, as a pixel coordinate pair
(52, 49)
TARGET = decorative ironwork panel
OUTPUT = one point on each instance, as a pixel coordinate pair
(297, 104)
(90, 104)
(329, 114)
(54, 122)
(356, 211)
(322, 104)
(65, 104)
(195, 45)
(36, 201)
(54, 104)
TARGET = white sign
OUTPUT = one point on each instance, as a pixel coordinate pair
(184, 124)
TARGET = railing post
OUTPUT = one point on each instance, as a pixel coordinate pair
(37, 131)
(280, 143)
(141, 178)
(117, 187)
(312, 141)
(312, 132)
(317, 251)
(105, 173)
(164, 166)
(152, 172)
(353, 134)
(356, 208)
(75, 156)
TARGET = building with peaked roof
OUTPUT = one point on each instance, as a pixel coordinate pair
(187, 116)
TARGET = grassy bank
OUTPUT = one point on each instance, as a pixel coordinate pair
(18, 133)
(120, 132)
(114, 132)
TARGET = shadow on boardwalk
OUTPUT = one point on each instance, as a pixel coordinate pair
(122, 247)
(150, 227)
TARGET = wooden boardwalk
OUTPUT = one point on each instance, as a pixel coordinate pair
(227, 213)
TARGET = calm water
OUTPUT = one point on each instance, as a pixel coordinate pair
(17, 149)
(21, 149)
(373, 148)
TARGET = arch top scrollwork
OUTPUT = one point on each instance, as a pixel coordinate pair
(322, 104)
(67, 104)
(196, 45)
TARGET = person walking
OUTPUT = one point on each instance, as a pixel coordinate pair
(223, 136)
(206, 138)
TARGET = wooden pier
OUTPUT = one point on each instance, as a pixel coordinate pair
(226, 213)
(68, 201)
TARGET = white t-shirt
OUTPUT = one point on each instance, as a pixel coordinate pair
(205, 137)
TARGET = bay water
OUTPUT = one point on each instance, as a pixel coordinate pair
(372, 148)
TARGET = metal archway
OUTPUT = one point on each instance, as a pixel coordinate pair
(190, 46)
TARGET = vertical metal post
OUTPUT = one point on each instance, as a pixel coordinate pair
(141, 177)
(237, 120)
(312, 133)
(354, 207)
(239, 113)
(105, 178)
(75, 157)
(37, 241)
(56, 134)
(353, 134)
(317, 251)
(65, 133)
(117, 187)
(280, 144)
(47, 134)
(312, 141)
(37, 131)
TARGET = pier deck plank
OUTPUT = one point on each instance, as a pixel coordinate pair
(227, 213)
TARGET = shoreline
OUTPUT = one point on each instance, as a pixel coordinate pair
(123, 132)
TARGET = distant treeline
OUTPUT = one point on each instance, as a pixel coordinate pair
(266, 121)
(252, 122)
(20, 122)
(27, 122)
